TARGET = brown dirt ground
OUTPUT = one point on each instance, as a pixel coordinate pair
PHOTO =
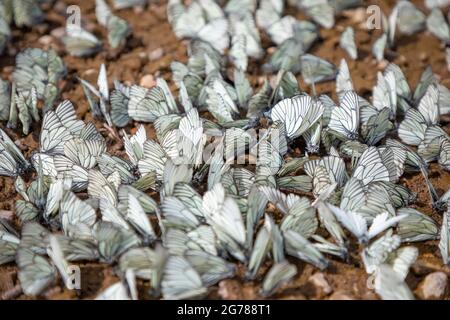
(151, 31)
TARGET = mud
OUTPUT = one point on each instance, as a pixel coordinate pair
(149, 51)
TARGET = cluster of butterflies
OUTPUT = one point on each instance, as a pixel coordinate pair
(78, 41)
(35, 78)
(214, 177)
(23, 13)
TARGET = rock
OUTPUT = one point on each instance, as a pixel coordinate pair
(7, 215)
(382, 64)
(433, 286)
(58, 33)
(423, 57)
(402, 59)
(356, 16)
(230, 290)
(341, 295)
(320, 283)
(156, 54)
(426, 264)
(148, 81)
(41, 28)
(60, 7)
(45, 40)
(271, 50)
(138, 9)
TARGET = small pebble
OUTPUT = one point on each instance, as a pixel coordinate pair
(89, 72)
(320, 283)
(433, 286)
(60, 7)
(271, 50)
(382, 64)
(357, 15)
(156, 54)
(423, 56)
(148, 81)
(45, 40)
(7, 215)
(402, 59)
(138, 9)
(230, 290)
(58, 33)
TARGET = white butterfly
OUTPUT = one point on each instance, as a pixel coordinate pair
(437, 25)
(134, 146)
(117, 291)
(385, 93)
(297, 246)
(177, 215)
(58, 127)
(298, 114)
(211, 268)
(56, 254)
(12, 161)
(79, 42)
(375, 165)
(347, 42)
(357, 225)
(102, 94)
(9, 243)
(265, 239)
(280, 273)
(181, 280)
(344, 121)
(385, 250)
(137, 217)
(390, 286)
(35, 272)
(147, 105)
(193, 23)
(412, 129)
(410, 20)
(223, 214)
(344, 81)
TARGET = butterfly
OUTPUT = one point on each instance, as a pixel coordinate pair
(79, 42)
(344, 121)
(279, 274)
(390, 286)
(347, 42)
(118, 29)
(438, 26)
(12, 161)
(298, 114)
(410, 20)
(180, 280)
(357, 225)
(416, 226)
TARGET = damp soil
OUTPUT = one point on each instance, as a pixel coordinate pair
(149, 51)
